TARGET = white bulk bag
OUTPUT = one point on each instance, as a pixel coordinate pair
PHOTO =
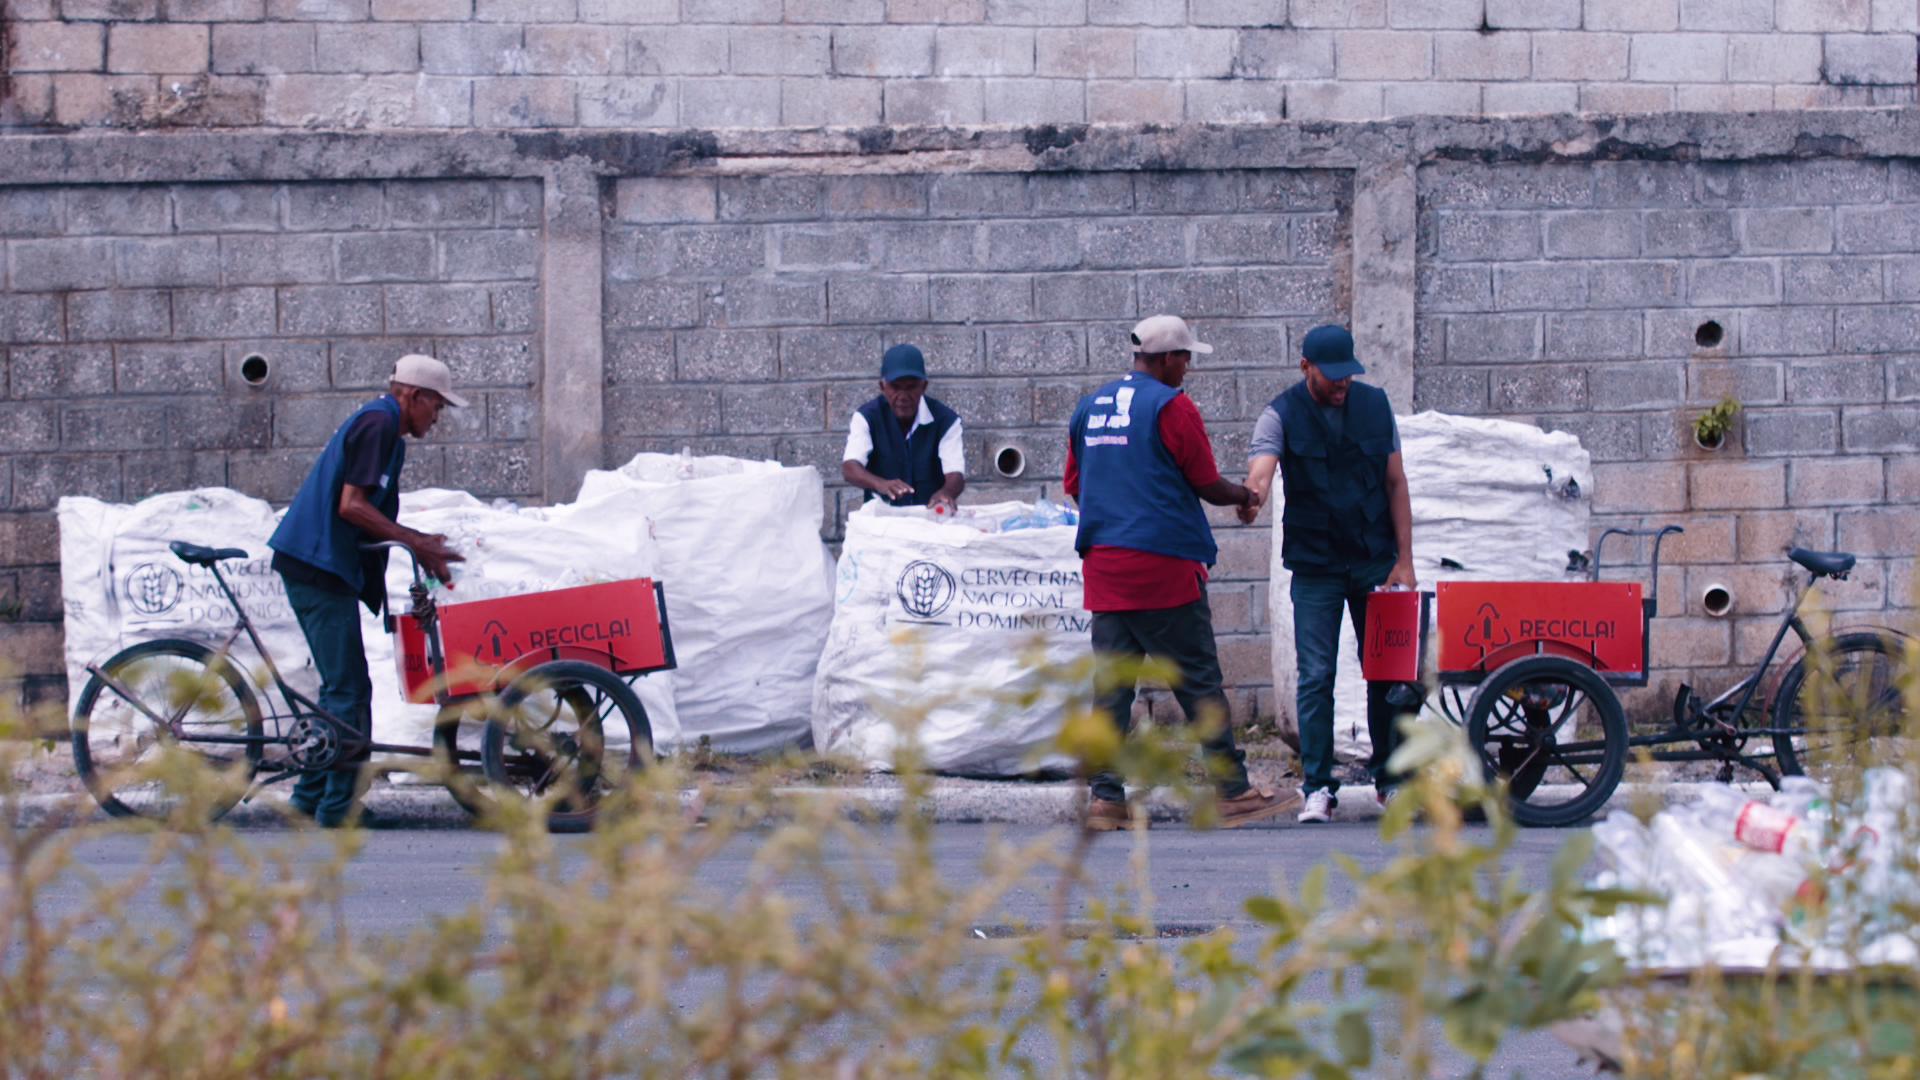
(748, 589)
(944, 624)
(1504, 500)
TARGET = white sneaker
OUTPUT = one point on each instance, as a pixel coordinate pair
(1319, 807)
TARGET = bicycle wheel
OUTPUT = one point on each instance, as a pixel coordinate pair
(569, 731)
(462, 781)
(1841, 708)
(1554, 731)
(195, 693)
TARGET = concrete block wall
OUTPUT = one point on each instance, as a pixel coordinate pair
(489, 64)
(1617, 300)
(747, 315)
(130, 312)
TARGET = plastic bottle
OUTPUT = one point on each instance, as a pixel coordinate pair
(1730, 815)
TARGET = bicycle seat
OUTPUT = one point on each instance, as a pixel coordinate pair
(1822, 563)
(204, 556)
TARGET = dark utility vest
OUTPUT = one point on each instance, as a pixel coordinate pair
(313, 532)
(897, 457)
(1132, 492)
(1336, 512)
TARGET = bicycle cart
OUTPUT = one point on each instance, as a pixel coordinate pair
(1531, 670)
(546, 674)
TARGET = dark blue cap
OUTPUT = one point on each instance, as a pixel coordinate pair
(902, 361)
(1330, 348)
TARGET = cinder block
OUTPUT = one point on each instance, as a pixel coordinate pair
(639, 11)
(1036, 12)
(1636, 284)
(1840, 181)
(996, 402)
(1482, 236)
(513, 308)
(1894, 17)
(1539, 390)
(693, 199)
(1595, 336)
(385, 256)
(31, 428)
(732, 11)
(836, 11)
(1640, 487)
(1184, 53)
(1498, 99)
(1722, 485)
(1302, 291)
(1690, 232)
(1743, 16)
(982, 298)
(1787, 231)
(262, 48)
(877, 299)
(1134, 13)
(756, 198)
(223, 313)
(1878, 229)
(66, 371)
(645, 357)
(970, 195)
(1877, 329)
(118, 315)
(1036, 350)
(1838, 280)
(1505, 187)
(322, 310)
(1143, 242)
(1084, 52)
(1603, 234)
(489, 361)
(1081, 193)
(1732, 281)
(1533, 14)
(1031, 245)
(335, 206)
(1579, 57)
(472, 49)
(1762, 535)
(50, 265)
(1874, 429)
(574, 50)
(936, 11)
(1034, 101)
(773, 409)
(1787, 331)
(648, 410)
(167, 369)
(524, 101)
(1452, 390)
(1618, 98)
(414, 11)
(1791, 432)
(933, 102)
(883, 51)
(1157, 101)
(162, 48)
(1236, 12)
(815, 353)
(1437, 99)
(677, 50)
(1836, 481)
(1189, 293)
(818, 102)
(1439, 287)
(1335, 101)
(929, 246)
(1435, 14)
(1689, 97)
(627, 102)
(1476, 57)
(960, 51)
(58, 46)
(1753, 382)
(835, 248)
(1774, 58)
(727, 355)
(1235, 102)
(1067, 297)
(287, 259)
(1396, 55)
(1903, 479)
(783, 50)
(722, 251)
(1636, 15)
(1851, 59)
(1488, 339)
(487, 256)
(1284, 54)
(1880, 531)
(1636, 386)
(951, 350)
(440, 202)
(1904, 379)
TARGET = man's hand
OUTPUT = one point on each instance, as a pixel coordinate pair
(940, 499)
(1402, 574)
(434, 555)
(893, 489)
(1249, 511)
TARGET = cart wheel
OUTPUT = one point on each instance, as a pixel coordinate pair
(568, 731)
(1842, 709)
(463, 781)
(1554, 731)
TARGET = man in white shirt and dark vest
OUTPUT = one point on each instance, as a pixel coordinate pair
(904, 446)
(1347, 529)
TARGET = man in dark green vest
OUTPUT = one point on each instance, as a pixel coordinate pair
(1347, 530)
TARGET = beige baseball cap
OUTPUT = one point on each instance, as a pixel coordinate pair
(1166, 333)
(428, 374)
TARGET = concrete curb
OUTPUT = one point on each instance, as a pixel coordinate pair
(880, 799)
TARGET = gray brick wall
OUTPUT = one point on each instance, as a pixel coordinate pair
(129, 310)
(1575, 296)
(747, 316)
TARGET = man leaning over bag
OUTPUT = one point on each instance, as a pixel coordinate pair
(1346, 529)
(352, 496)
(903, 445)
(1139, 463)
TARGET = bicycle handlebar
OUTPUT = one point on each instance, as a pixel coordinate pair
(1659, 535)
(379, 545)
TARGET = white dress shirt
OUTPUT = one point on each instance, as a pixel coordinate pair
(953, 455)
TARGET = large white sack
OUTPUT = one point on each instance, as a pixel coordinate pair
(944, 624)
(748, 589)
(1504, 500)
(122, 585)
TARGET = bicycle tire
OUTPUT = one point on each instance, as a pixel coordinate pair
(462, 782)
(1860, 672)
(1545, 785)
(550, 736)
(172, 677)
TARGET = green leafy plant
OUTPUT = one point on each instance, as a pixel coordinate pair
(1710, 428)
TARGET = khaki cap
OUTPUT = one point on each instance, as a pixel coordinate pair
(428, 374)
(1165, 334)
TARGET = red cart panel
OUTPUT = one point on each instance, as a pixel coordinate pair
(1483, 624)
(617, 624)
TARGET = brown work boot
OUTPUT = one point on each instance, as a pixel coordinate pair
(1254, 805)
(1105, 815)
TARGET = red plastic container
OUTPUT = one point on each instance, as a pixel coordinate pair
(1484, 624)
(1395, 639)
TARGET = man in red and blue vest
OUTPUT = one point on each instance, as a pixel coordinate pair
(1139, 463)
(352, 496)
(1347, 530)
(904, 446)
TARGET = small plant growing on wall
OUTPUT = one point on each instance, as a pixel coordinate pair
(1710, 428)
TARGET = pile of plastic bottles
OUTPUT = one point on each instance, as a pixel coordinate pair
(1790, 876)
(1043, 515)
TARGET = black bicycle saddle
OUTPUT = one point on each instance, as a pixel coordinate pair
(1822, 563)
(204, 556)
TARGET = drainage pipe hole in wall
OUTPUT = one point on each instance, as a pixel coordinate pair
(254, 369)
(1009, 462)
(1709, 335)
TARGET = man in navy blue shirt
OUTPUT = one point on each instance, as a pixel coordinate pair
(903, 445)
(352, 496)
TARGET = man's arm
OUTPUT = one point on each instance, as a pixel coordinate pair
(856, 474)
(953, 467)
(1260, 481)
(430, 548)
(1184, 435)
(1400, 508)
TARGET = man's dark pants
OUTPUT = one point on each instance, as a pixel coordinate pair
(331, 623)
(1318, 601)
(1182, 636)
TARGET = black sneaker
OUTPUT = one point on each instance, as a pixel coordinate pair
(364, 818)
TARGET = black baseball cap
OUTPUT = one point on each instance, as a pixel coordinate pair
(1330, 348)
(902, 361)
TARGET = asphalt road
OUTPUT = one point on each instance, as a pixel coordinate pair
(399, 880)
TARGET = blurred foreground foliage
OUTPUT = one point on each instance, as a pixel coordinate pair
(846, 953)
